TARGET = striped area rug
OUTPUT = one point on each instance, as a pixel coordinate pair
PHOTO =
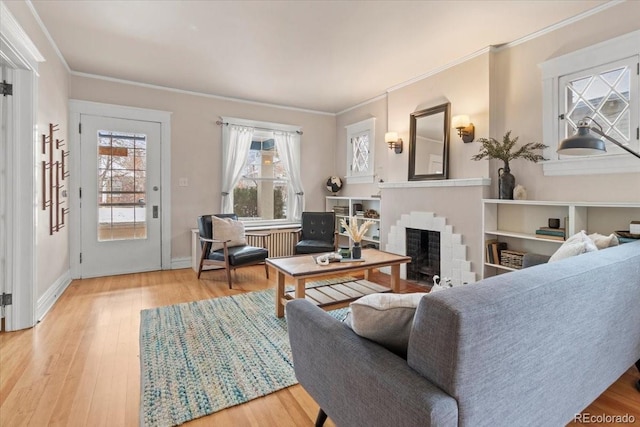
(200, 357)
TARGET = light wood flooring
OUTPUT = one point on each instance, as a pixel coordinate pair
(80, 365)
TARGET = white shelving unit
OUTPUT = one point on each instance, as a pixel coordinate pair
(372, 237)
(516, 221)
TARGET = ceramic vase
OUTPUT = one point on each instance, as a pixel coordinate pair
(356, 250)
(506, 182)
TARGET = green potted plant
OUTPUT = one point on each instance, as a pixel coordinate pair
(493, 149)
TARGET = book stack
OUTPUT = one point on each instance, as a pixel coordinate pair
(494, 249)
(551, 233)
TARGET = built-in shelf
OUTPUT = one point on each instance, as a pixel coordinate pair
(520, 235)
(515, 222)
(372, 236)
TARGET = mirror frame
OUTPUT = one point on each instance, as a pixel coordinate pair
(446, 125)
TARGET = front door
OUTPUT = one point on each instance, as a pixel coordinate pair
(120, 196)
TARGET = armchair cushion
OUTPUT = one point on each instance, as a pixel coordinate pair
(227, 229)
(313, 246)
(241, 255)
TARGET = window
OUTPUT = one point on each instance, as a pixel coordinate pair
(360, 145)
(261, 179)
(601, 82)
(262, 191)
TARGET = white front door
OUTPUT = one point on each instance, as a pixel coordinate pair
(120, 196)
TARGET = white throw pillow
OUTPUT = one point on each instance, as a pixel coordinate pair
(577, 244)
(602, 242)
(385, 318)
(227, 229)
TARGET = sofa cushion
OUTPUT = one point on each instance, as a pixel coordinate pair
(385, 319)
(577, 244)
(227, 229)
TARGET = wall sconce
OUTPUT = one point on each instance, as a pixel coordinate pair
(466, 130)
(394, 142)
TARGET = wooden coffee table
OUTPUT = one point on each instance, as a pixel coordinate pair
(303, 267)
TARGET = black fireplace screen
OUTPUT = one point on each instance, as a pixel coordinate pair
(423, 246)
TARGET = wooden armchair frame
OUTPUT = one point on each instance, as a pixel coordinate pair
(227, 252)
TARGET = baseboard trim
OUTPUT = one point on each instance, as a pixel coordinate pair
(178, 263)
(49, 298)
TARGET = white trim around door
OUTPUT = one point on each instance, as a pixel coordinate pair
(78, 107)
(21, 57)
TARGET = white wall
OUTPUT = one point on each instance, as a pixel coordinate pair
(196, 146)
(52, 251)
(518, 104)
(500, 90)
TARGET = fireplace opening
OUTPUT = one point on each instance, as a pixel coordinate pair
(423, 246)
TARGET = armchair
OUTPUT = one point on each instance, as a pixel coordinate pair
(228, 257)
(317, 233)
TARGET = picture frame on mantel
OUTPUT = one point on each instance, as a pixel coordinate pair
(429, 143)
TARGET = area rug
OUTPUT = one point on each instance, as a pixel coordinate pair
(200, 357)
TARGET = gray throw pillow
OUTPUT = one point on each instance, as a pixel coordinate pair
(385, 319)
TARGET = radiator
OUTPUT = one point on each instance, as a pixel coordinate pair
(279, 242)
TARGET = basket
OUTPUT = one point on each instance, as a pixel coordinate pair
(511, 259)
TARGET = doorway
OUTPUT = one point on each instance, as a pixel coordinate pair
(120, 219)
(120, 198)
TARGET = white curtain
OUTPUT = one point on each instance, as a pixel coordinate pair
(236, 143)
(288, 146)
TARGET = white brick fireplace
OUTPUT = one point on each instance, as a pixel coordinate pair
(453, 254)
(450, 207)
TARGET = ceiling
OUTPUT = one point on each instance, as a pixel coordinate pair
(319, 55)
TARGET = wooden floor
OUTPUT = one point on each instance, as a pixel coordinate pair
(80, 365)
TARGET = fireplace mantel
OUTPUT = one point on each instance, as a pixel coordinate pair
(463, 182)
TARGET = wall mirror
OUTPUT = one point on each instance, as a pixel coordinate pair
(429, 143)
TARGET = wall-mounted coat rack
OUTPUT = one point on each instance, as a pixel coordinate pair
(53, 173)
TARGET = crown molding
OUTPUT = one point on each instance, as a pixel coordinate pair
(22, 52)
(437, 70)
(47, 35)
(561, 24)
(201, 94)
(369, 101)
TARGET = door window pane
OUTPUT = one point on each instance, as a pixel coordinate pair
(122, 160)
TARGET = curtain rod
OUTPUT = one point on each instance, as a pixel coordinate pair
(219, 123)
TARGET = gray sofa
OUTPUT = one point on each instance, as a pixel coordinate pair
(531, 347)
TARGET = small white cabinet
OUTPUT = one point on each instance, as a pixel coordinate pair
(515, 222)
(346, 207)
